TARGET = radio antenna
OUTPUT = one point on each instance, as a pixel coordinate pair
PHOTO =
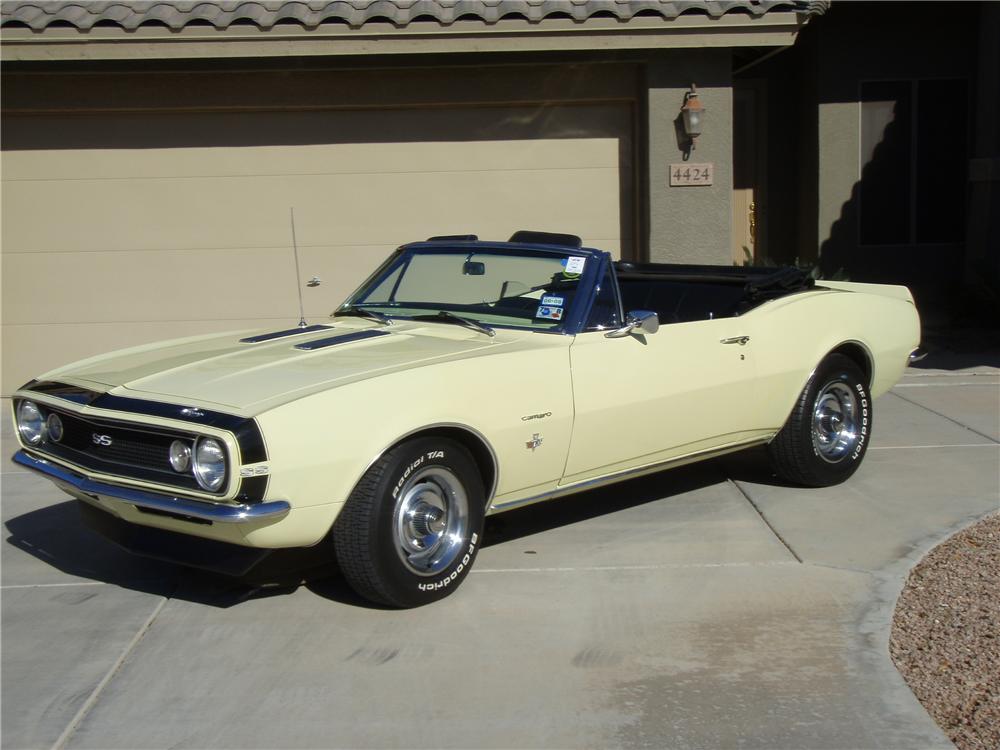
(298, 275)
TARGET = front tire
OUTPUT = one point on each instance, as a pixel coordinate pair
(827, 434)
(410, 531)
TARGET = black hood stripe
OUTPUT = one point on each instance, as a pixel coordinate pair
(74, 393)
(246, 430)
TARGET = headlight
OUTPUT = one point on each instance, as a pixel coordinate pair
(30, 422)
(54, 427)
(180, 456)
(209, 464)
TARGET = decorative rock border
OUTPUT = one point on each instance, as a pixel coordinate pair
(945, 638)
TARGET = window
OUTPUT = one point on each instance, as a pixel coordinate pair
(913, 161)
(532, 289)
(604, 314)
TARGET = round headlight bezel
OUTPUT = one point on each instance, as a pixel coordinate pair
(211, 476)
(30, 435)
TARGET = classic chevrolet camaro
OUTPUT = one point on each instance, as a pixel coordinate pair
(463, 378)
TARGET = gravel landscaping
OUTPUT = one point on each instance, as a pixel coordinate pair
(945, 637)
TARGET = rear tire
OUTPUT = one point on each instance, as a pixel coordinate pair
(410, 531)
(827, 434)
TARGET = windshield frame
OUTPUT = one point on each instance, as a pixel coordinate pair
(576, 314)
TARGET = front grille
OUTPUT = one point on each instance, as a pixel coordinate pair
(140, 449)
(119, 449)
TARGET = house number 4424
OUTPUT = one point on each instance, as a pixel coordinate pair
(683, 175)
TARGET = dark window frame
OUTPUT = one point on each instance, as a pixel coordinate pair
(609, 278)
(913, 239)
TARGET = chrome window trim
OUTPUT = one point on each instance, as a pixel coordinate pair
(606, 266)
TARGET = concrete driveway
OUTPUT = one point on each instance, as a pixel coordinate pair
(707, 607)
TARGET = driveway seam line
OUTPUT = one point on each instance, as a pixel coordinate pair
(844, 568)
(96, 693)
(915, 447)
(945, 416)
(7, 586)
(764, 519)
(941, 385)
(615, 568)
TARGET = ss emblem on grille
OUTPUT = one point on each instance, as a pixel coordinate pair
(102, 439)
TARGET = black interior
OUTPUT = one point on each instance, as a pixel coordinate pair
(684, 293)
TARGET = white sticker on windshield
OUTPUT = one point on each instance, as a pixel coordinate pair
(549, 313)
(575, 265)
(553, 300)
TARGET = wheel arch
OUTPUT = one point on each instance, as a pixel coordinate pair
(789, 449)
(860, 354)
(470, 439)
(856, 351)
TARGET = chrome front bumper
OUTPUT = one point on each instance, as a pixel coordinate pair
(79, 486)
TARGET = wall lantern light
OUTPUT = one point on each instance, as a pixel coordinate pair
(692, 114)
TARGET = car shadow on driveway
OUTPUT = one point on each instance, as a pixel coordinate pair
(57, 536)
(749, 465)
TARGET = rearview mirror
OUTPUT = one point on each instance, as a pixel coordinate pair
(637, 321)
(473, 268)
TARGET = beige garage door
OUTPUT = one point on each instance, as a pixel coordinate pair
(135, 228)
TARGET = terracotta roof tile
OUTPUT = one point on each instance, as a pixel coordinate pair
(40, 15)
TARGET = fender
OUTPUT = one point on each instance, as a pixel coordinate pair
(450, 428)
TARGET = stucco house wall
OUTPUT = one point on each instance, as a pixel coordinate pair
(150, 162)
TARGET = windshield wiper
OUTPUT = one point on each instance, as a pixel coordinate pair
(362, 313)
(450, 317)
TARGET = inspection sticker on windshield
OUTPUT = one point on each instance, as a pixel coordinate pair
(574, 265)
(549, 313)
(552, 300)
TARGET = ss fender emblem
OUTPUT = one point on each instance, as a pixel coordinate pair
(102, 439)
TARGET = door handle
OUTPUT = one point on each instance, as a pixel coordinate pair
(741, 340)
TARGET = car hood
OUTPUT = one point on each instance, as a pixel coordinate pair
(228, 371)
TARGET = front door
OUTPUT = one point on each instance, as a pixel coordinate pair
(643, 400)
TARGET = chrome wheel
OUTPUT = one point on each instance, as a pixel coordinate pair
(834, 426)
(430, 522)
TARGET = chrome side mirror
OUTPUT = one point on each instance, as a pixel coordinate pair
(637, 321)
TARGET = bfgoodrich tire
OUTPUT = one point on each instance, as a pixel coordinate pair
(827, 434)
(411, 529)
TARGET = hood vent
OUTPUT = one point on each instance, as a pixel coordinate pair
(343, 339)
(282, 334)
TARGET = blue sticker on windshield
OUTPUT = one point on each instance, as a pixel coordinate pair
(553, 300)
(549, 313)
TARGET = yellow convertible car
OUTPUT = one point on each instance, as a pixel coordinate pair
(463, 378)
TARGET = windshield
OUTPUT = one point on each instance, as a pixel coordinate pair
(514, 288)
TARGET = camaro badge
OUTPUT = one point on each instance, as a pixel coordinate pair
(536, 416)
(535, 441)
